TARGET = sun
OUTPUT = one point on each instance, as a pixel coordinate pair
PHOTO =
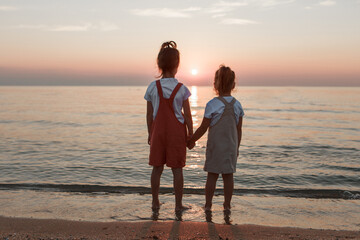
(194, 71)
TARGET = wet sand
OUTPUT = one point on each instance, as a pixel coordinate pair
(27, 228)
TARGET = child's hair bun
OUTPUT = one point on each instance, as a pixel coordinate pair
(168, 58)
(170, 44)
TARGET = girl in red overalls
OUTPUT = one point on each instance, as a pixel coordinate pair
(168, 126)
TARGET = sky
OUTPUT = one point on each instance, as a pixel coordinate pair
(116, 42)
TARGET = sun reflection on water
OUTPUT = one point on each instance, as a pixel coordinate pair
(194, 104)
(194, 97)
(193, 166)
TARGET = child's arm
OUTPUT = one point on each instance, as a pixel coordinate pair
(188, 118)
(199, 132)
(239, 130)
(149, 118)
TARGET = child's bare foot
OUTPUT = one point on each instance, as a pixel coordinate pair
(179, 212)
(207, 207)
(155, 214)
(227, 207)
(227, 214)
(208, 215)
(182, 208)
(155, 205)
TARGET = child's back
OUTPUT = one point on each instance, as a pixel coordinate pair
(168, 131)
(221, 148)
(167, 86)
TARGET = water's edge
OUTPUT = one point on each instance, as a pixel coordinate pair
(285, 192)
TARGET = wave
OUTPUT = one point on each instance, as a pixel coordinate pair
(50, 123)
(105, 189)
(299, 110)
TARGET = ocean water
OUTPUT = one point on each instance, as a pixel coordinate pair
(299, 144)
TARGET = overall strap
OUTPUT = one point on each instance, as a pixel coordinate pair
(160, 92)
(230, 104)
(176, 89)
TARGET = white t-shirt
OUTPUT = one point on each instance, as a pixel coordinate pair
(215, 108)
(167, 85)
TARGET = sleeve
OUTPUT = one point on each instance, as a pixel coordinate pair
(208, 110)
(186, 94)
(147, 96)
(242, 113)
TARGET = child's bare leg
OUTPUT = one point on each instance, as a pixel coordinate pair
(155, 186)
(178, 187)
(210, 189)
(228, 189)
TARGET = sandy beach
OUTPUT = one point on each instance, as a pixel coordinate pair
(26, 228)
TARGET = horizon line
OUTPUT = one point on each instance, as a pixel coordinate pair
(143, 85)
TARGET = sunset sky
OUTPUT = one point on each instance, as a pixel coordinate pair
(112, 42)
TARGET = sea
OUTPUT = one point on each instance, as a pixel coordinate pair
(81, 153)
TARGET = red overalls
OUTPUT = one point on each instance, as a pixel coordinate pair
(168, 135)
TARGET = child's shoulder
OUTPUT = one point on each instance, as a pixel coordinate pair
(217, 102)
(176, 81)
(237, 104)
(214, 100)
(151, 88)
(183, 89)
(236, 101)
(230, 98)
(238, 108)
(169, 83)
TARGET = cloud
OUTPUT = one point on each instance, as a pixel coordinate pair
(327, 3)
(219, 15)
(272, 3)
(164, 12)
(107, 26)
(230, 4)
(237, 21)
(7, 8)
(221, 8)
(102, 26)
(192, 9)
(35, 27)
(70, 28)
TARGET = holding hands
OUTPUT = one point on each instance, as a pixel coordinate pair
(190, 142)
(192, 138)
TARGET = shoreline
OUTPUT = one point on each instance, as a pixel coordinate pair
(246, 210)
(31, 228)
